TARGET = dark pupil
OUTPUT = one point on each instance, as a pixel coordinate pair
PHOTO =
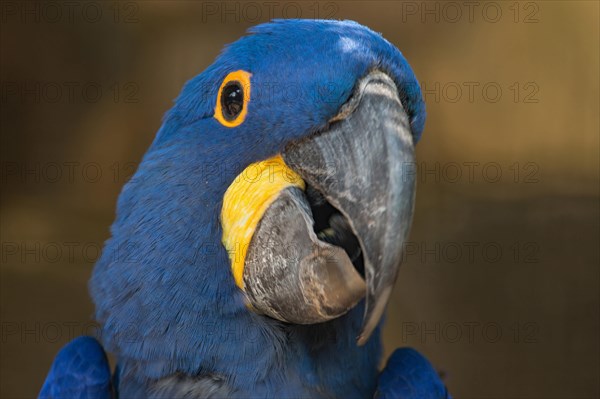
(232, 100)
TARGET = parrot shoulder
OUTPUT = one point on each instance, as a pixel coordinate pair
(80, 370)
(409, 375)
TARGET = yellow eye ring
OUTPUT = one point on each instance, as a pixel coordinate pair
(233, 99)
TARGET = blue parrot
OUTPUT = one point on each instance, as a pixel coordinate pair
(255, 249)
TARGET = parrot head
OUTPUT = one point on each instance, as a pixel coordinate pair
(277, 193)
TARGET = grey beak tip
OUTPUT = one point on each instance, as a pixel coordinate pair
(361, 340)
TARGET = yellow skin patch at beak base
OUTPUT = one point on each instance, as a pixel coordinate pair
(245, 203)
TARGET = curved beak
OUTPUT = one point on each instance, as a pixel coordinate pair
(316, 254)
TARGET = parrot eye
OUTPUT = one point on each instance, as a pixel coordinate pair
(233, 98)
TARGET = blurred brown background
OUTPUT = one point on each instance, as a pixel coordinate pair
(500, 286)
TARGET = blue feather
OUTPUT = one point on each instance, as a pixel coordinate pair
(80, 371)
(408, 375)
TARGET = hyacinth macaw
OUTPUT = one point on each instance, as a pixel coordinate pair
(256, 247)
